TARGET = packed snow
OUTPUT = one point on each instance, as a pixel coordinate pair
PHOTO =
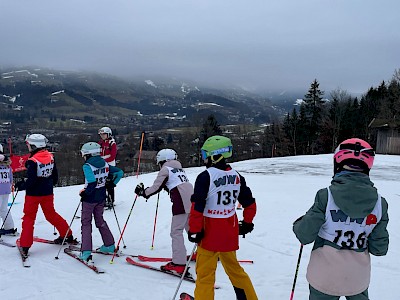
(284, 189)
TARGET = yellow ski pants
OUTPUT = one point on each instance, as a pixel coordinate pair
(206, 265)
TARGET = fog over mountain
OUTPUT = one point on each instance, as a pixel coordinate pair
(258, 45)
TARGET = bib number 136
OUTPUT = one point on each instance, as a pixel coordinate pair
(349, 239)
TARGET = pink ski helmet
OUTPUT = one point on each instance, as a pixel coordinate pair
(355, 152)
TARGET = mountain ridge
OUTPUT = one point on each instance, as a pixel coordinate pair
(41, 92)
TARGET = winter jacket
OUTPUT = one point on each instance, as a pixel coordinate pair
(6, 175)
(173, 178)
(220, 225)
(108, 150)
(96, 172)
(340, 263)
(41, 173)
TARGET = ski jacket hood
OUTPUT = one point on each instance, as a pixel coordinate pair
(96, 161)
(354, 193)
(41, 155)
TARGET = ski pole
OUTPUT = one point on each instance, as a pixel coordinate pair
(119, 227)
(184, 272)
(69, 228)
(134, 202)
(297, 270)
(8, 212)
(54, 230)
(155, 222)
(115, 214)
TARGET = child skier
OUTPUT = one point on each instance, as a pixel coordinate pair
(93, 197)
(6, 181)
(42, 175)
(213, 221)
(347, 221)
(173, 179)
(108, 153)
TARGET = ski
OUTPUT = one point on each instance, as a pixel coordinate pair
(89, 265)
(97, 251)
(25, 260)
(6, 244)
(186, 296)
(46, 241)
(40, 240)
(154, 259)
(167, 259)
(142, 265)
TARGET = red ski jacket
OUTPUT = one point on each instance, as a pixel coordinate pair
(108, 150)
(220, 234)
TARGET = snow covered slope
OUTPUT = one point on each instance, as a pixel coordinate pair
(284, 189)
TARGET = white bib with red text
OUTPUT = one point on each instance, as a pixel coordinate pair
(222, 194)
(347, 232)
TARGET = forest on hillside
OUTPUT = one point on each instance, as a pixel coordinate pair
(315, 126)
(318, 124)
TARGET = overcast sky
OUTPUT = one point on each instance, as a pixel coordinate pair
(256, 44)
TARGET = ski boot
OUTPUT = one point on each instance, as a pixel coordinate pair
(69, 240)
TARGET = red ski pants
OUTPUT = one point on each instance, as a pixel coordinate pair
(28, 220)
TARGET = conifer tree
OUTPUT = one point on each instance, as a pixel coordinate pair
(290, 127)
(313, 107)
(210, 127)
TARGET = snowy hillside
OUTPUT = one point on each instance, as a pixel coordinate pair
(284, 189)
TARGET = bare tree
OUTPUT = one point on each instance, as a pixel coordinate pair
(337, 112)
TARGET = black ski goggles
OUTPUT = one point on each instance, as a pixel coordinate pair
(356, 148)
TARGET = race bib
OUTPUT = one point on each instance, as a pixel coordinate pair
(4, 175)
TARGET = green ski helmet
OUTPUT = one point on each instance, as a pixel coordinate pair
(215, 145)
(91, 148)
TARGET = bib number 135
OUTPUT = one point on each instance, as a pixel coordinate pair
(226, 197)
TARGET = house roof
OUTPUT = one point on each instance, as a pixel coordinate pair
(384, 123)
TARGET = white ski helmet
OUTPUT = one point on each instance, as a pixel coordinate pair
(105, 130)
(165, 155)
(91, 148)
(37, 140)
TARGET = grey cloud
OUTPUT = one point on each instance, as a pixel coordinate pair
(260, 44)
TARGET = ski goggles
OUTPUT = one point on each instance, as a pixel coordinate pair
(356, 148)
(205, 154)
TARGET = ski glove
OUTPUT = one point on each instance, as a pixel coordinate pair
(245, 228)
(82, 194)
(139, 190)
(195, 237)
(110, 184)
(20, 185)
